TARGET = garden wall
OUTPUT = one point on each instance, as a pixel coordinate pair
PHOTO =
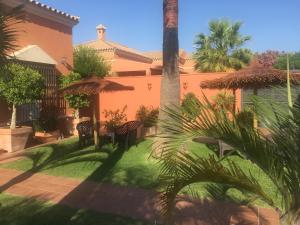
(147, 92)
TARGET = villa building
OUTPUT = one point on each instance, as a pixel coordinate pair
(143, 71)
(44, 43)
(127, 61)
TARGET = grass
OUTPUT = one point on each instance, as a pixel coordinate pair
(110, 164)
(114, 165)
(22, 211)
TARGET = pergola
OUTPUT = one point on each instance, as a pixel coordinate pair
(92, 86)
(251, 78)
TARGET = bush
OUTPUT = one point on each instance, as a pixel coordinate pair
(115, 118)
(225, 101)
(147, 115)
(191, 105)
(245, 118)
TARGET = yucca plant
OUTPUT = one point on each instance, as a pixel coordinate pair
(277, 157)
(8, 32)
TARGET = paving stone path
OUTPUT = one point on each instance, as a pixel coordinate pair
(126, 201)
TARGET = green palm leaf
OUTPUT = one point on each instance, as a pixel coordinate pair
(8, 32)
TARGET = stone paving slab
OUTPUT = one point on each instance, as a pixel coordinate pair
(127, 201)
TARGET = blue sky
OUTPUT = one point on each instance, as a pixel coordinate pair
(272, 24)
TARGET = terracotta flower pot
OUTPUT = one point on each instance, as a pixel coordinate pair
(47, 137)
(12, 140)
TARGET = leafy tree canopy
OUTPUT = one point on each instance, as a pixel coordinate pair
(221, 50)
(88, 62)
(77, 101)
(17, 86)
(294, 58)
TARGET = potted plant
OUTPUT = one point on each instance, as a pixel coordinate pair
(20, 85)
(149, 117)
(114, 118)
(45, 128)
(77, 101)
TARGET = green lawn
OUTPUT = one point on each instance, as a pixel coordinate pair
(22, 211)
(110, 164)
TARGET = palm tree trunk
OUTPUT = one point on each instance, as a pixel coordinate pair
(13, 117)
(170, 81)
(170, 84)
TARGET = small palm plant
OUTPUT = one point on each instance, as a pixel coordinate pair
(277, 157)
(8, 32)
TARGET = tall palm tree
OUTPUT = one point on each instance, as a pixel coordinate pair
(8, 33)
(278, 157)
(170, 83)
(221, 51)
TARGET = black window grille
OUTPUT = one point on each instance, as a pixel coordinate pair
(51, 103)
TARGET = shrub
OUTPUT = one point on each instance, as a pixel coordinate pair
(22, 85)
(115, 118)
(223, 101)
(245, 118)
(147, 115)
(191, 105)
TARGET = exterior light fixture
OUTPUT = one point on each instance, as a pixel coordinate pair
(63, 60)
(185, 85)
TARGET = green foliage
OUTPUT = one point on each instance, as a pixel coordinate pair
(22, 85)
(224, 101)
(245, 118)
(88, 62)
(8, 33)
(191, 105)
(278, 158)
(147, 115)
(294, 59)
(77, 101)
(221, 51)
(115, 118)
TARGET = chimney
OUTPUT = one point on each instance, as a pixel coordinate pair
(101, 30)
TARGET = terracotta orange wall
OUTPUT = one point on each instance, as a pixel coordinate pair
(143, 96)
(54, 38)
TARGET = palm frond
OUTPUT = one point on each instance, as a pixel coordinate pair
(191, 169)
(8, 32)
(278, 157)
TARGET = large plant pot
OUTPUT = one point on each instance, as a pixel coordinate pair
(12, 140)
(44, 137)
(76, 121)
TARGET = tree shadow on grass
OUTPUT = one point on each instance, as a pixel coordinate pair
(59, 154)
(22, 211)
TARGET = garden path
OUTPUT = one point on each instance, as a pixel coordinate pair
(126, 201)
